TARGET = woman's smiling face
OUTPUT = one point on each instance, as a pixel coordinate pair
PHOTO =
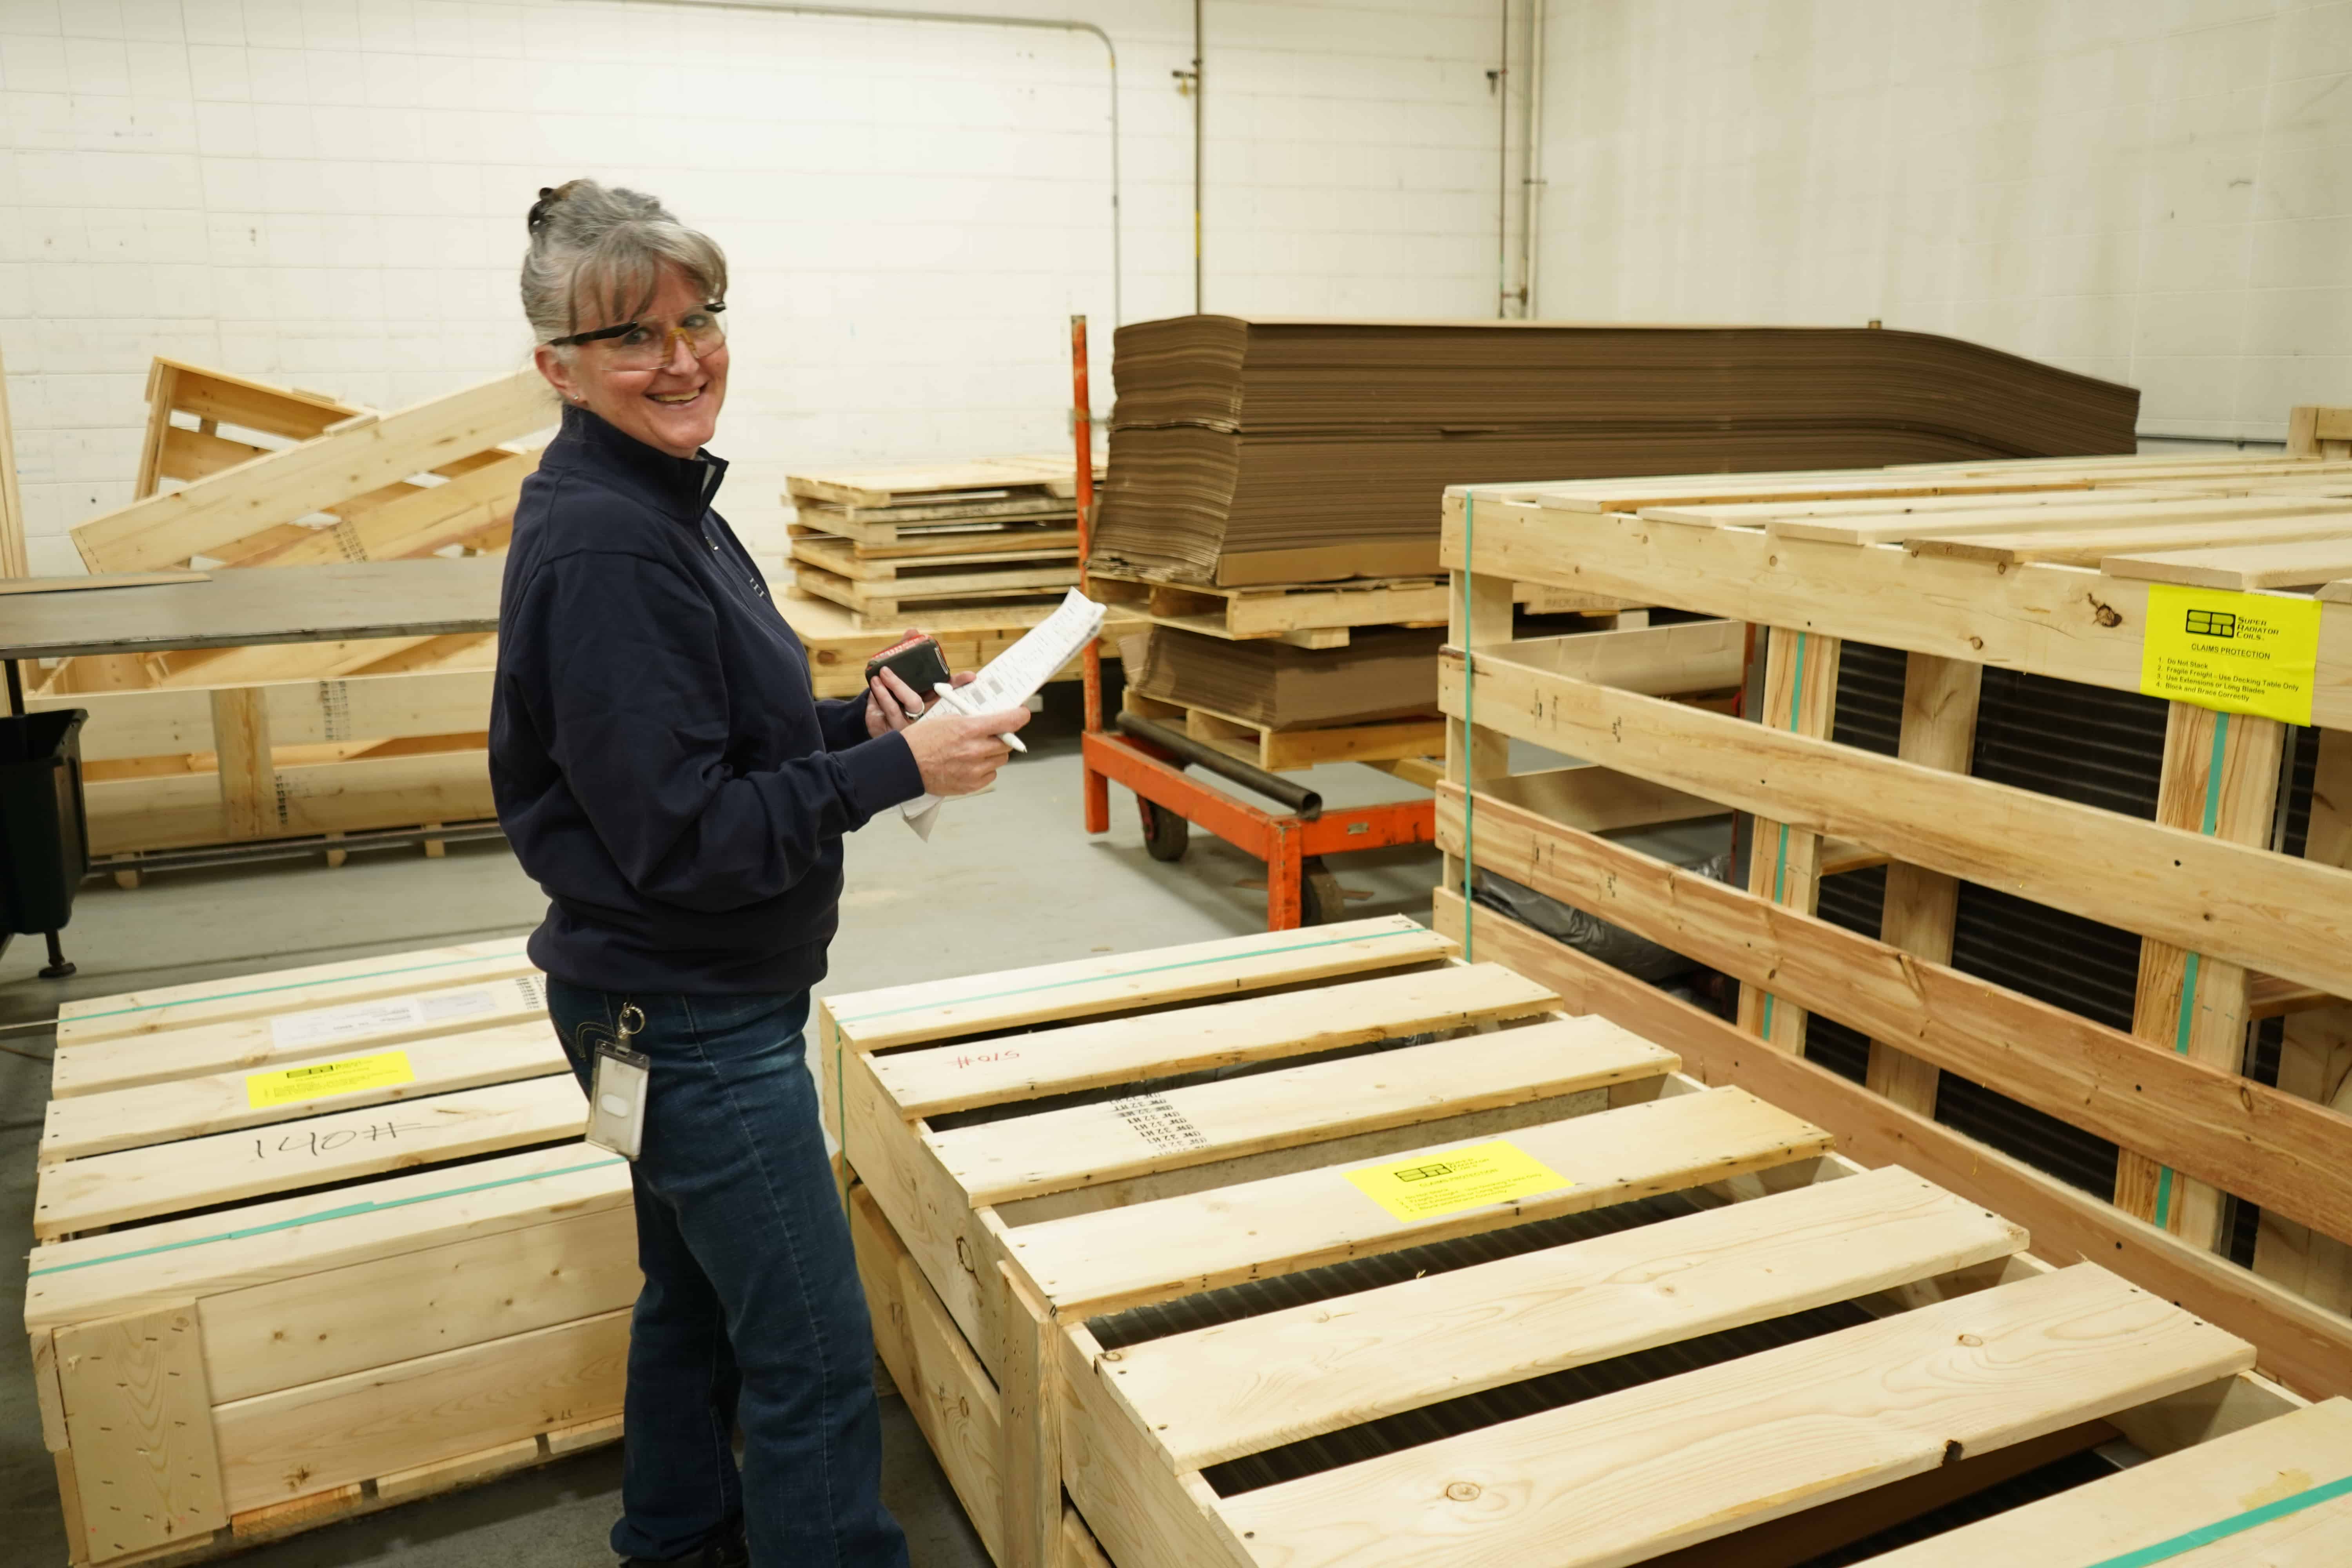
(673, 406)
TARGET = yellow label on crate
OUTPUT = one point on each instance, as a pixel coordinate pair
(319, 1079)
(2240, 653)
(1458, 1179)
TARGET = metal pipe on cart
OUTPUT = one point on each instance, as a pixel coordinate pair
(1306, 802)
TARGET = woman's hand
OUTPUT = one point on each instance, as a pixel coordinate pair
(892, 704)
(959, 755)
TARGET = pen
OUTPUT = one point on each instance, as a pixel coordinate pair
(944, 689)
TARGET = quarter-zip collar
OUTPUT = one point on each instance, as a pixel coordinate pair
(680, 488)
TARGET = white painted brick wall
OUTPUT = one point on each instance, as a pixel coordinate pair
(2155, 191)
(330, 193)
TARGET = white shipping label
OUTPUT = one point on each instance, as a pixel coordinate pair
(450, 1005)
(332, 1026)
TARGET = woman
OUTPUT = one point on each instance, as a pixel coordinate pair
(663, 773)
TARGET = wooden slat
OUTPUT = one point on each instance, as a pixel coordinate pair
(1609, 1480)
(417, 522)
(929, 1010)
(1662, 661)
(1100, 1262)
(2240, 567)
(1086, 1145)
(2220, 776)
(2049, 620)
(247, 777)
(139, 1416)
(1828, 484)
(2163, 882)
(1784, 859)
(951, 1397)
(312, 1327)
(1940, 698)
(166, 529)
(2307, 1348)
(216, 396)
(370, 1024)
(1869, 515)
(85, 584)
(398, 790)
(1237, 1388)
(197, 1107)
(1120, 1051)
(279, 1445)
(110, 1189)
(2243, 1136)
(2088, 547)
(2143, 1508)
(1598, 799)
(295, 1238)
(312, 986)
(2113, 515)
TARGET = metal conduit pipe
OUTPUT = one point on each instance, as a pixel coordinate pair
(1049, 24)
(1307, 803)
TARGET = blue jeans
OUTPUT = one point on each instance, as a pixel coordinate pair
(751, 1308)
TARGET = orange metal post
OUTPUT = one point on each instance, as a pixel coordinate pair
(1096, 788)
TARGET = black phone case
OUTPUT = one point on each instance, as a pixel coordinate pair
(922, 667)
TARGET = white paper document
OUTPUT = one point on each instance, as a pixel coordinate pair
(1011, 677)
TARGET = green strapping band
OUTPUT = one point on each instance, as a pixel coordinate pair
(290, 985)
(346, 1211)
(1155, 969)
(2188, 1011)
(1469, 708)
(2222, 1529)
(1780, 863)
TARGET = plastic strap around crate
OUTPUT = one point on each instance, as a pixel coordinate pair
(346, 1211)
(1155, 969)
(2188, 1012)
(290, 985)
(2222, 1529)
(1469, 722)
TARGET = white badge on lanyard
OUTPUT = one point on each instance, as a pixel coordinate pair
(616, 1097)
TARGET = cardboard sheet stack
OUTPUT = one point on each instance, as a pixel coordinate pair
(1272, 685)
(1288, 451)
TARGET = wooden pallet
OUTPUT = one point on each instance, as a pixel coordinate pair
(1038, 481)
(1314, 614)
(250, 1317)
(951, 598)
(1036, 1153)
(1281, 750)
(2018, 578)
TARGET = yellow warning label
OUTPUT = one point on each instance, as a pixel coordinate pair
(319, 1080)
(1457, 1180)
(2240, 653)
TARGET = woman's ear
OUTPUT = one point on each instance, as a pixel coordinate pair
(558, 373)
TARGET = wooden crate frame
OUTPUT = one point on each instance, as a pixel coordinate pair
(214, 1376)
(987, 1246)
(1892, 558)
(1321, 614)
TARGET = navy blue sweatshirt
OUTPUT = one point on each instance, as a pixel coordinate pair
(658, 764)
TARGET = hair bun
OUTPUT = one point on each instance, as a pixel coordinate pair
(548, 197)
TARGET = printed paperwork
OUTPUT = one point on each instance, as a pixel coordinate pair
(1011, 677)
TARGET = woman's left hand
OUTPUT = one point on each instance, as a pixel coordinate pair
(892, 704)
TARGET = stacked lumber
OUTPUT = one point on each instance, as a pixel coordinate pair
(296, 740)
(1346, 1251)
(1274, 451)
(314, 1243)
(967, 546)
(2226, 904)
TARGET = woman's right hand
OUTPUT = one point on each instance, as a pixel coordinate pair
(959, 755)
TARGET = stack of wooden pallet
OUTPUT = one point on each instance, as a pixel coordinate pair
(1336, 1249)
(314, 1243)
(971, 546)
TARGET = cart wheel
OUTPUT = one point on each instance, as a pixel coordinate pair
(1165, 834)
(1321, 899)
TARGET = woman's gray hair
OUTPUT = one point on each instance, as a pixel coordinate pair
(597, 254)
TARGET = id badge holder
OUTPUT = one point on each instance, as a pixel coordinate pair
(616, 1093)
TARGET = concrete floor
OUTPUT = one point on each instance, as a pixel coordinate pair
(1007, 878)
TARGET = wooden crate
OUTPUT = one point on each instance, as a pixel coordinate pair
(2054, 575)
(251, 1318)
(1072, 1213)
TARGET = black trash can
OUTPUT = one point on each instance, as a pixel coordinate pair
(44, 830)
